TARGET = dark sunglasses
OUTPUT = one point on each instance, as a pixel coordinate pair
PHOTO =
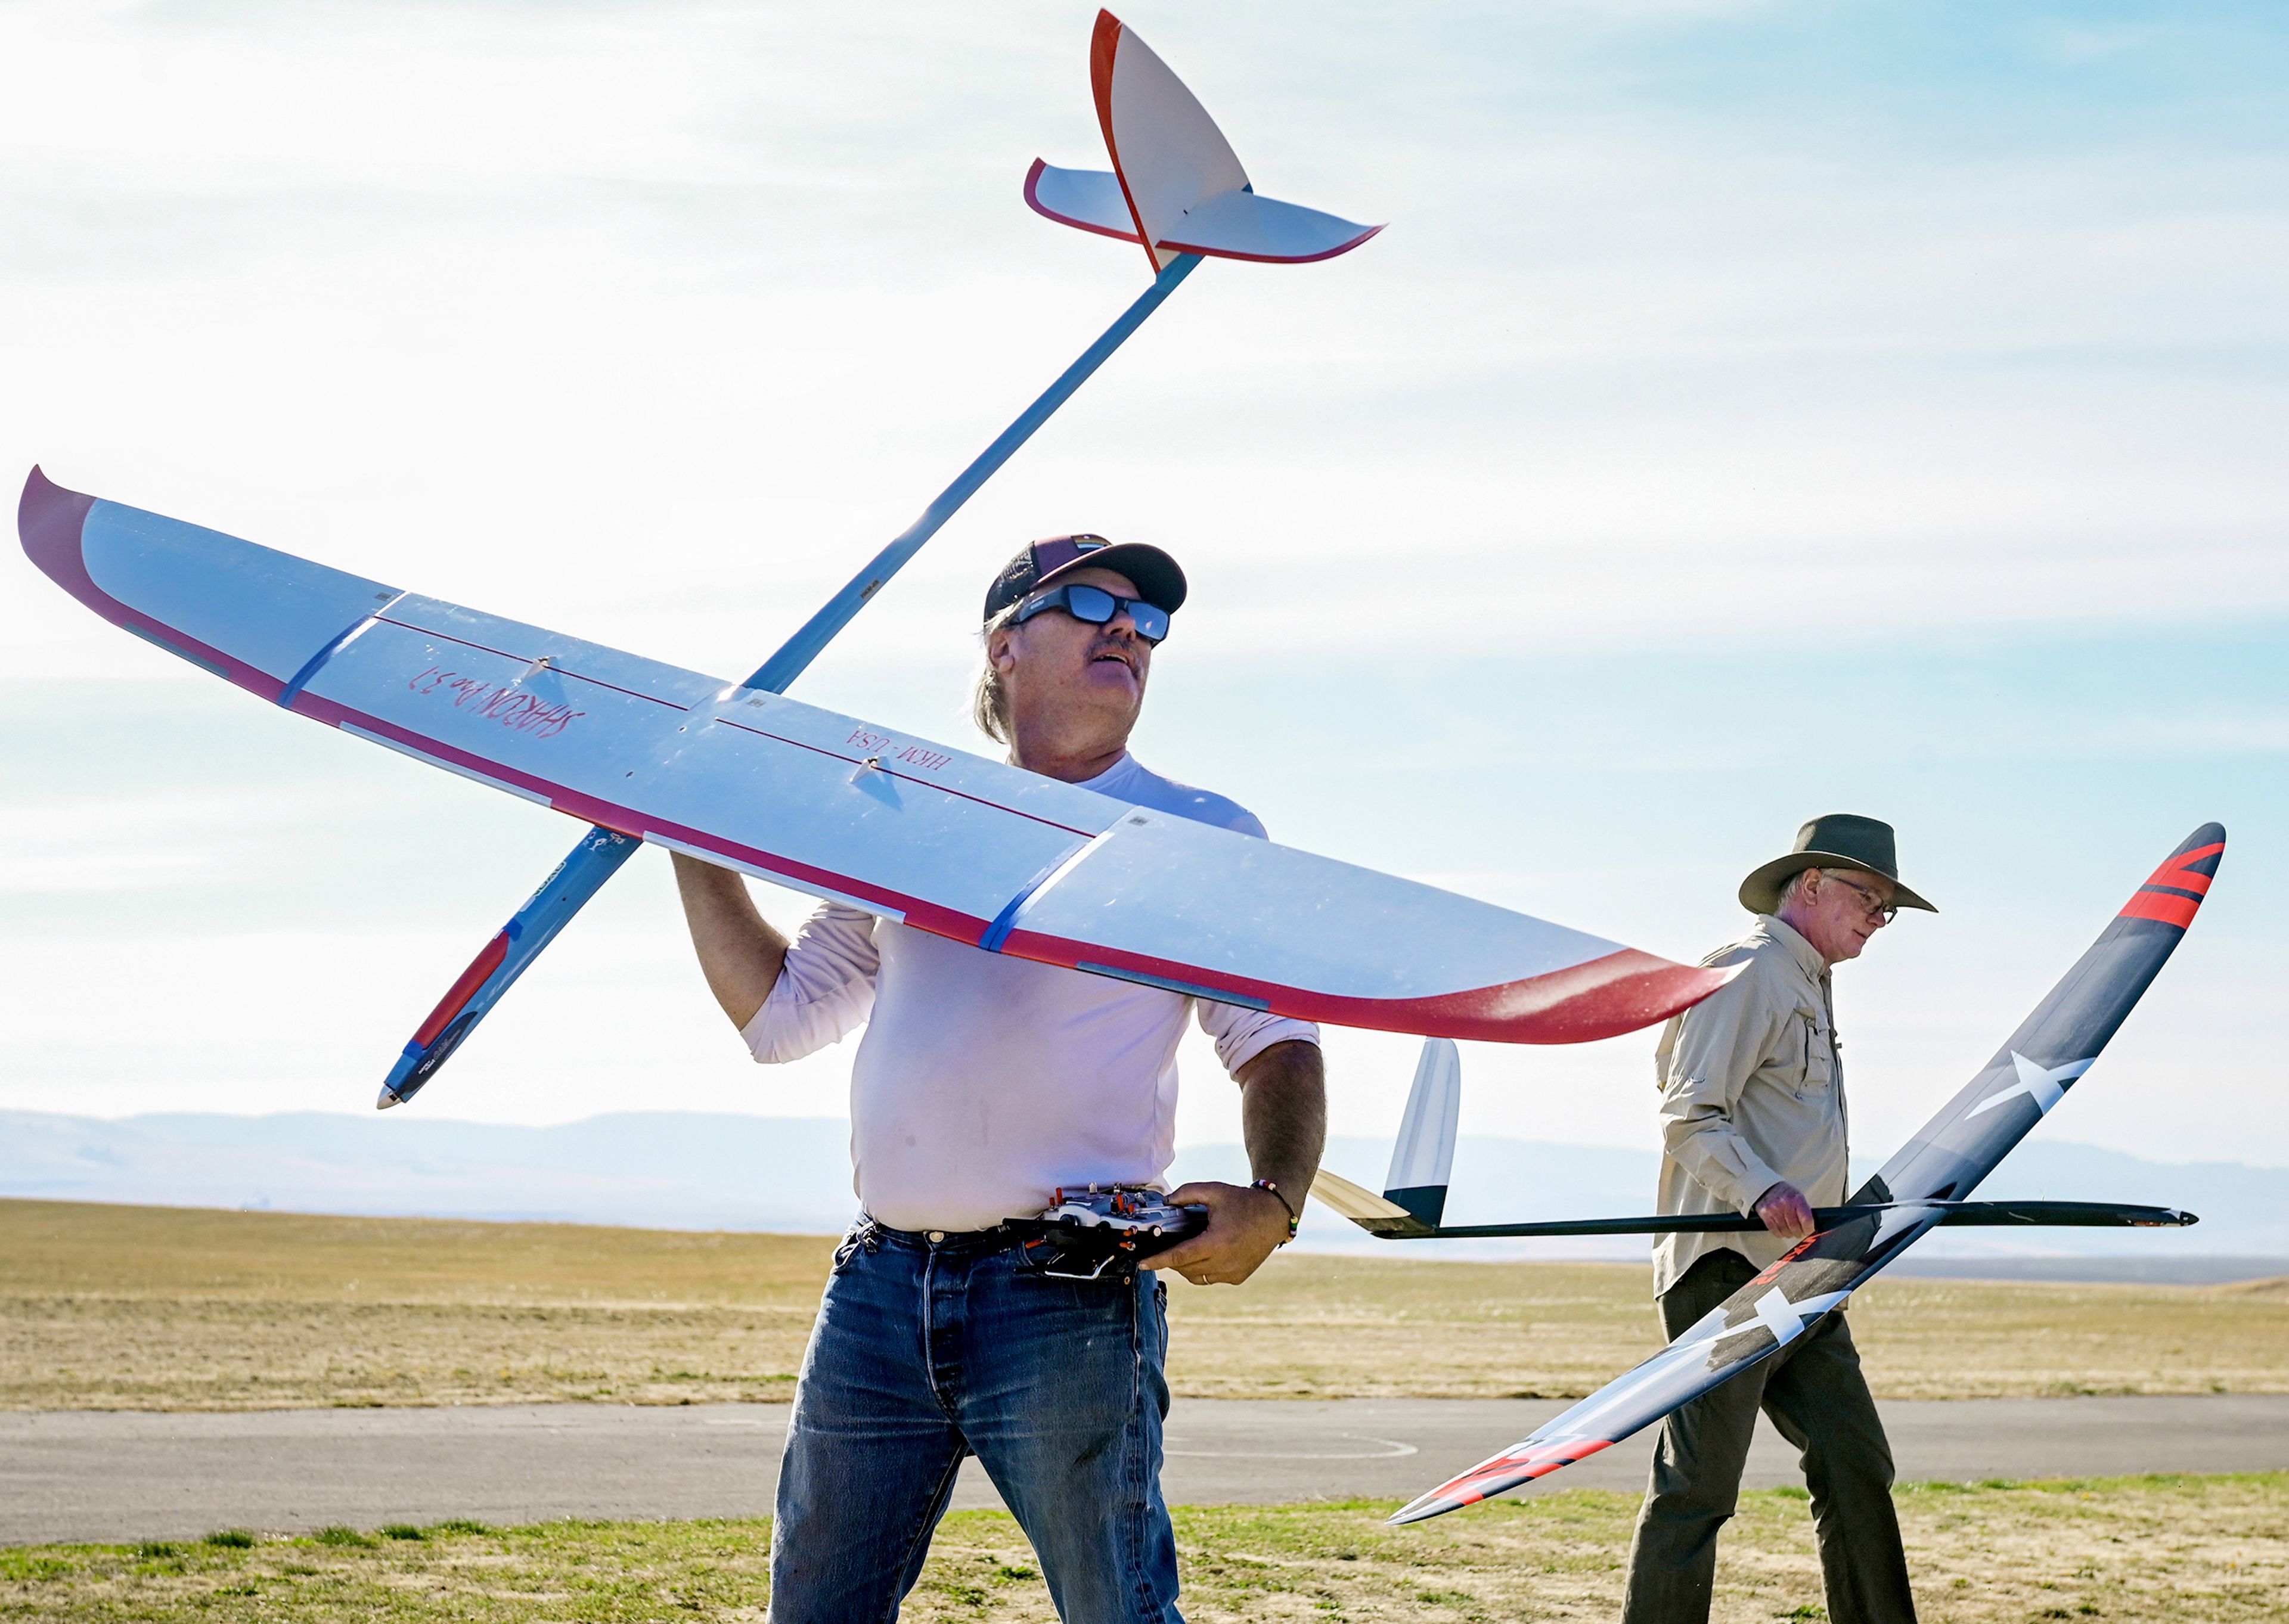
(1097, 607)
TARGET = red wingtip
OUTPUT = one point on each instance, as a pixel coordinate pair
(1524, 1464)
(1033, 201)
(52, 523)
(48, 522)
(2174, 892)
(1622, 992)
(1104, 45)
(1625, 992)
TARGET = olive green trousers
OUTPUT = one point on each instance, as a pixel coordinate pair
(1816, 1397)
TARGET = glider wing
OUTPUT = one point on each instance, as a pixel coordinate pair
(1088, 198)
(1377, 1218)
(1954, 1151)
(1378, 1215)
(1176, 185)
(975, 850)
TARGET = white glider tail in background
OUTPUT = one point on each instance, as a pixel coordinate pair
(1176, 185)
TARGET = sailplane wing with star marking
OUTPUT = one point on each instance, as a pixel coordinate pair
(1908, 1197)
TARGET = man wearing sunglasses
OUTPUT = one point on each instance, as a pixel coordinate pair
(1752, 1118)
(982, 1084)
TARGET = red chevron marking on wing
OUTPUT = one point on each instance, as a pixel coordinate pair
(2161, 905)
(2174, 892)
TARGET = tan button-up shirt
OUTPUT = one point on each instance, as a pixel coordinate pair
(1751, 1093)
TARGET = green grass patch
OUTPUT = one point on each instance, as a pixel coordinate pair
(2167, 1547)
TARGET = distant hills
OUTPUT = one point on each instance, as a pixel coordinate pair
(688, 1170)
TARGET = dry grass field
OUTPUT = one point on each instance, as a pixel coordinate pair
(156, 1307)
(1324, 1327)
(2127, 1552)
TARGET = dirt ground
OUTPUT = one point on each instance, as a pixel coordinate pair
(154, 1307)
(2214, 1549)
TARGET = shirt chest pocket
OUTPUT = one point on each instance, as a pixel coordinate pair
(1815, 1041)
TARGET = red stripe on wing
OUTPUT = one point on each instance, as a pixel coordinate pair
(1508, 1471)
(456, 996)
(2181, 871)
(2171, 910)
(1227, 253)
(1606, 997)
(1103, 48)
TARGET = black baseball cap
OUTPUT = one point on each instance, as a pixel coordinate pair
(1158, 582)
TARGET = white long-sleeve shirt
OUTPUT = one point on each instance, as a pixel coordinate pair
(983, 1082)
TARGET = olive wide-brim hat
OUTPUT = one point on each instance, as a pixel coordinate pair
(1838, 841)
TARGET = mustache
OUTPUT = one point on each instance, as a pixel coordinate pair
(1121, 648)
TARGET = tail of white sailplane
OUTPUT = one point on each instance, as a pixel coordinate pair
(1422, 1161)
(1413, 1197)
(1176, 185)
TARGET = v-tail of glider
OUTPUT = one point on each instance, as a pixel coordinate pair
(1922, 1187)
(1168, 156)
(1176, 185)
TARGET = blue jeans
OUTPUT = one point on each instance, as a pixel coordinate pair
(926, 1351)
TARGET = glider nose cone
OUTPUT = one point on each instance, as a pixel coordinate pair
(401, 1085)
(1430, 1505)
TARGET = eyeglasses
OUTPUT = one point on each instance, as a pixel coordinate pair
(1875, 907)
(1097, 607)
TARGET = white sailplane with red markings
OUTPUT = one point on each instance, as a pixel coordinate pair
(735, 772)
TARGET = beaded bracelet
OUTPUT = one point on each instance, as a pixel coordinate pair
(1294, 1218)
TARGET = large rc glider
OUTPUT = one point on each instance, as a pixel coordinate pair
(737, 773)
(1919, 1190)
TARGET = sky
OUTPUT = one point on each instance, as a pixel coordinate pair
(1751, 412)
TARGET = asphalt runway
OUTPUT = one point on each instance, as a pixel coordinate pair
(123, 1474)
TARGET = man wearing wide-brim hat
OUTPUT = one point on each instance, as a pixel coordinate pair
(1753, 1120)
